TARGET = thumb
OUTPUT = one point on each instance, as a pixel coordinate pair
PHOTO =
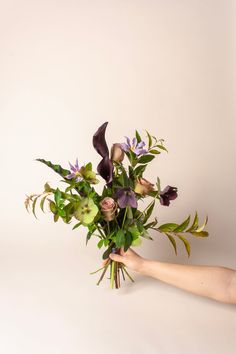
(116, 257)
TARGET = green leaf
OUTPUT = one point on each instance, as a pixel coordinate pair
(57, 168)
(120, 238)
(134, 230)
(108, 251)
(194, 224)
(149, 212)
(128, 241)
(173, 242)
(42, 201)
(100, 244)
(182, 226)
(201, 228)
(47, 188)
(158, 184)
(57, 196)
(200, 234)
(167, 227)
(34, 205)
(56, 217)
(155, 152)
(146, 158)
(149, 139)
(138, 137)
(162, 147)
(77, 225)
(139, 170)
(186, 244)
(136, 242)
(52, 207)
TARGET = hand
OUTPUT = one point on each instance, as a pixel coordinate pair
(129, 258)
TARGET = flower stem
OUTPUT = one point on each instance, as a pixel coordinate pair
(103, 273)
(126, 209)
(112, 273)
(128, 274)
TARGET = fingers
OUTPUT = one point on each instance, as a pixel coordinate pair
(116, 257)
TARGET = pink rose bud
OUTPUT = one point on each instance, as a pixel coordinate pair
(143, 187)
(117, 154)
(108, 208)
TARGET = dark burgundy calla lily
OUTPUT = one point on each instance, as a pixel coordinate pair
(105, 166)
(169, 193)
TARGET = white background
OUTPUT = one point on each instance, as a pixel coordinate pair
(65, 68)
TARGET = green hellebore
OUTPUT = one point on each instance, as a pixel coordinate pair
(86, 211)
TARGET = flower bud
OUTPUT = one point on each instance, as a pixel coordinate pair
(117, 154)
(108, 208)
(143, 187)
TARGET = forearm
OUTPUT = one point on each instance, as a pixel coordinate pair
(212, 282)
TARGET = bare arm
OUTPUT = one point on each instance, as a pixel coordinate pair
(218, 283)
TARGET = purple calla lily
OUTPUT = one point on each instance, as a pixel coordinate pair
(75, 172)
(126, 197)
(105, 167)
(169, 193)
(137, 148)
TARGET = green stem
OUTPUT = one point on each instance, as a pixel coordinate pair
(126, 209)
(98, 228)
(143, 212)
(128, 274)
(112, 273)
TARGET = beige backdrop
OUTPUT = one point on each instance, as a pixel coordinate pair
(65, 68)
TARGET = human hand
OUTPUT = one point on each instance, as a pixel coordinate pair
(129, 258)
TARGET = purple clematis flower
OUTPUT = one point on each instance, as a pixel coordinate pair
(169, 193)
(136, 147)
(75, 172)
(126, 197)
(105, 167)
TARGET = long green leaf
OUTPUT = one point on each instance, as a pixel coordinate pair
(173, 242)
(34, 205)
(182, 226)
(200, 234)
(186, 244)
(57, 168)
(167, 227)
(201, 228)
(42, 202)
(194, 224)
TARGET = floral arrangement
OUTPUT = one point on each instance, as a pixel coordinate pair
(114, 216)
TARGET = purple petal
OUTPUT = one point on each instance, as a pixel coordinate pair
(72, 167)
(77, 164)
(124, 147)
(99, 141)
(132, 200)
(141, 144)
(134, 142)
(70, 176)
(123, 201)
(105, 169)
(128, 141)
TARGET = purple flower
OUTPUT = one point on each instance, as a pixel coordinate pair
(136, 147)
(125, 197)
(105, 167)
(169, 193)
(75, 172)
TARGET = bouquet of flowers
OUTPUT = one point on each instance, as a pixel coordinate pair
(114, 216)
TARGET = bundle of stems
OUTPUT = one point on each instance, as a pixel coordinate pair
(116, 268)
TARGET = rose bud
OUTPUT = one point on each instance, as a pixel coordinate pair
(108, 208)
(142, 186)
(117, 154)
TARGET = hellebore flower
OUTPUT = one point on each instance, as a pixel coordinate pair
(75, 172)
(86, 211)
(117, 154)
(126, 197)
(143, 187)
(108, 208)
(169, 193)
(105, 167)
(136, 147)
